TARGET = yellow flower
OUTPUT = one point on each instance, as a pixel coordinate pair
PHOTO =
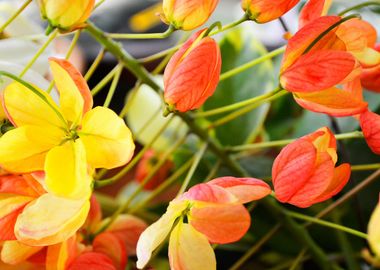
(65, 141)
(66, 15)
(374, 232)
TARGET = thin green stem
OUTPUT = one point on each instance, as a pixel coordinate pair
(104, 81)
(14, 16)
(73, 44)
(298, 259)
(51, 37)
(214, 170)
(365, 167)
(245, 110)
(279, 143)
(238, 105)
(238, 264)
(113, 86)
(135, 160)
(95, 64)
(163, 35)
(244, 67)
(161, 188)
(197, 160)
(359, 6)
(230, 25)
(130, 100)
(326, 224)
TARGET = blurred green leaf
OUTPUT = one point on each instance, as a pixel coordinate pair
(239, 47)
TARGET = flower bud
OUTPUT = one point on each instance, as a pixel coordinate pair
(374, 232)
(263, 11)
(192, 74)
(187, 14)
(370, 76)
(304, 172)
(66, 15)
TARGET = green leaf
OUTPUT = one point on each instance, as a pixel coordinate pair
(239, 47)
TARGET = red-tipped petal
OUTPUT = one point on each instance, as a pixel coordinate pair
(268, 10)
(333, 101)
(312, 10)
(341, 176)
(110, 245)
(221, 223)
(292, 168)
(315, 185)
(93, 261)
(208, 193)
(370, 78)
(370, 124)
(245, 189)
(317, 71)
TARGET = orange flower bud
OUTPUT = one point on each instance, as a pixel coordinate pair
(192, 74)
(187, 14)
(371, 76)
(370, 124)
(149, 160)
(263, 11)
(304, 172)
(66, 15)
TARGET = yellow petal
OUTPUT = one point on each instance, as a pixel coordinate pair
(25, 107)
(66, 171)
(50, 220)
(374, 232)
(10, 203)
(190, 250)
(75, 96)
(156, 233)
(108, 141)
(14, 252)
(24, 149)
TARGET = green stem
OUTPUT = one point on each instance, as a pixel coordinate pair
(254, 146)
(365, 167)
(239, 105)
(73, 44)
(104, 81)
(163, 35)
(95, 64)
(359, 6)
(161, 188)
(131, 98)
(298, 260)
(113, 86)
(52, 36)
(238, 264)
(326, 224)
(245, 110)
(244, 67)
(14, 16)
(194, 166)
(230, 25)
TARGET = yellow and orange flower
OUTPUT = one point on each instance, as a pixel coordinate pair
(66, 15)
(304, 172)
(214, 213)
(65, 141)
(192, 74)
(263, 11)
(187, 14)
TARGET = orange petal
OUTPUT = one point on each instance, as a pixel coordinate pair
(317, 71)
(16, 184)
(14, 252)
(190, 250)
(333, 101)
(94, 215)
(75, 96)
(93, 261)
(304, 37)
(128, 228)
(370, 124)
(59, 256)
(263, 11)
(292, 168)
(316, 184)
(7, 224)
(220, 223)
(193, 79)
(341, 176)
(110, 245)
(312, 10)
(370, 78)
(209, 193)
(246, 189)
